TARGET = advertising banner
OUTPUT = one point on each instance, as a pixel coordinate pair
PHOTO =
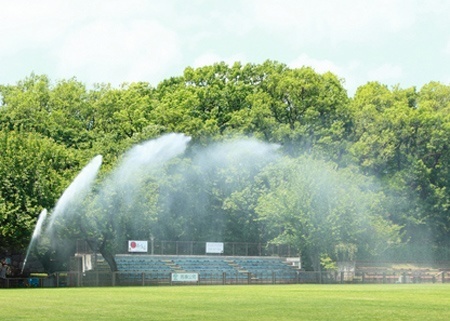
(138, 246)
(184, 277)
(214, 248)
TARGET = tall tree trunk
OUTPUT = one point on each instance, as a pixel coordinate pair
(107, 255)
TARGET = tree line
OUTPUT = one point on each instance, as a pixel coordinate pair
(355, 177)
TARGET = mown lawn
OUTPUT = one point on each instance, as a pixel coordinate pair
(259, 303)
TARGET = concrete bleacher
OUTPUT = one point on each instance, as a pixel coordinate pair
(267, 269)
(148, 268)
(141, 263)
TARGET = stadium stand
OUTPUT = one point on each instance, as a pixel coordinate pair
(211, 269)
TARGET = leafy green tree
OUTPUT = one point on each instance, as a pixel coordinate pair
(34, 171)
(70, 117)
(384, 129)
(322, 211)
(25, 105)
(310, 109)
(200, 196)
(121, 118)
(400, 136)
(299, 108)
(432, 157)
(397, 136)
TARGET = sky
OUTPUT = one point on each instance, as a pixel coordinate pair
(395, 42)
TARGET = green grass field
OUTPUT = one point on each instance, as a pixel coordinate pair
(258, 302)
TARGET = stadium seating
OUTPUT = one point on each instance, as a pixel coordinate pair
(156, 268)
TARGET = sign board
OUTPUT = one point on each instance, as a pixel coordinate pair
(138, 246)
(214, 247)
(184, 277)
(295, 261)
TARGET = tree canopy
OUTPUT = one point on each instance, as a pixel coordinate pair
(346, 177)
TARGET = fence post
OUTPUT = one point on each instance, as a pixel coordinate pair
(342, 277)
(384, 277)
(363, 278)
(443, 276)
(113, 278)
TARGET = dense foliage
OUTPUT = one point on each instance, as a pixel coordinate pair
(354, 178)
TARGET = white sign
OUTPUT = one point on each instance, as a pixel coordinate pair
(137, 246)
(184, 277)
(295, 261)
(214, 247)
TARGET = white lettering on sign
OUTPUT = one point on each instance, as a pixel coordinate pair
(184, 277)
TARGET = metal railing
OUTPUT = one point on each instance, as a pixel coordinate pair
(145, 278)
(199, 248)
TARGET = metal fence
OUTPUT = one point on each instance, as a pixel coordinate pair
(157, 247)
(145, 278)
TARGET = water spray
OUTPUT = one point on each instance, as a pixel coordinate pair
(34, 237)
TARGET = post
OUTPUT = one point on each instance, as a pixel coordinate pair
(384, 277)
(342, 277)
(113, 278)
(152, 245)
(443, 276)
